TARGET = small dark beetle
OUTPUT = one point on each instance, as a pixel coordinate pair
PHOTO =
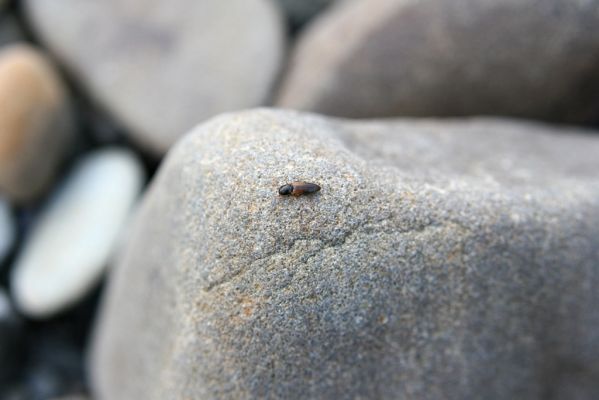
(298, 188)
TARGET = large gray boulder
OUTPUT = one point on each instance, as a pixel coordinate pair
(526, 58)
(441, 259)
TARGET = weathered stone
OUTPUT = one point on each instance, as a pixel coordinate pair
(35, 122)
(441, 259)
(161, 67)
(69, 248)
(527, 58)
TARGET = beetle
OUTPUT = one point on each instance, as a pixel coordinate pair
(298, 188)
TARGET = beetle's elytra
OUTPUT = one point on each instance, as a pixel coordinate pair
(298, 188)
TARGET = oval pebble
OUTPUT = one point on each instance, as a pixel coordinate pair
(36, 123)
(76, 233)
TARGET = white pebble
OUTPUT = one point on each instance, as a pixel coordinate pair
(70, 246)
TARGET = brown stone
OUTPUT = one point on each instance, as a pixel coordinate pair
(35, 122)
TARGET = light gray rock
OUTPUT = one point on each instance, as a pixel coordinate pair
(36, 129)
(441, 259)
(70, 246)
(161, 67)
(373, 58)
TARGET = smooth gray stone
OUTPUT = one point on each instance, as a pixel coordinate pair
(161, 67)
(451, 259)
(376, 58)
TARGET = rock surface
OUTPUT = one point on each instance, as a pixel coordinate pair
(441, 259)
(35, 122)
(162, 67)
(373, 58)
(70, 245)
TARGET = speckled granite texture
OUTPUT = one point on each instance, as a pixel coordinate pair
(441, 259)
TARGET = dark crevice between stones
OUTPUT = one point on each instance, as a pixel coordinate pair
(49, 360)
